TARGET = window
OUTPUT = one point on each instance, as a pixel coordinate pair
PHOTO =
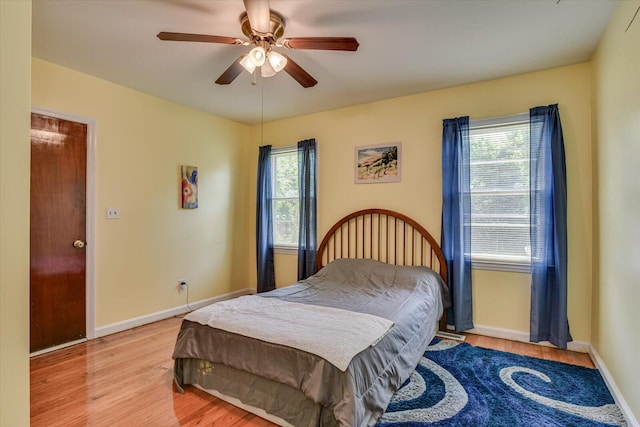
(284, 184)
(499, 174)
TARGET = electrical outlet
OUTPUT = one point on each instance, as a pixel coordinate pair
(113, 213)
(182, 286)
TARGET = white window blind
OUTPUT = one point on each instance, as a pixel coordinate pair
(285, 203)
(499, 173)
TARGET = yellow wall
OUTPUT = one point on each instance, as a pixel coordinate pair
(141, 143)
(617, 286)
(501, 299)
(15, 107)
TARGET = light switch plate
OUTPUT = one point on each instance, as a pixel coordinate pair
(113, 213)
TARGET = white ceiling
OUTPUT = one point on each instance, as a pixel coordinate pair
(406, 47)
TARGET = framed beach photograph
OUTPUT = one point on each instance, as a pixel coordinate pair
(189, 187)
(378, 163)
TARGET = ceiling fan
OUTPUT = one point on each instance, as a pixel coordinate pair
(264, 29)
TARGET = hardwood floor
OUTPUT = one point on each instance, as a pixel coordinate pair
(126, 379)
(532, 350)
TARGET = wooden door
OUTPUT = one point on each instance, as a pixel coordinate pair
(58, 219)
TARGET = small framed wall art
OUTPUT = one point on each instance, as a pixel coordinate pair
(378, 163)
(189, 187)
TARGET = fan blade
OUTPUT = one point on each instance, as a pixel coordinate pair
(184, 37)
(322, 43)
(231, 73)
(259, 15)
(299, 74)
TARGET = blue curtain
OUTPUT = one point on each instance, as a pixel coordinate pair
(548, 228)
(264, 223)
(307, 237)
(456, 219)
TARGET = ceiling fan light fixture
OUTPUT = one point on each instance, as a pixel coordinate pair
(276, 60)
(267, 70)
(257, 56)
(264, 31)
(247, 64)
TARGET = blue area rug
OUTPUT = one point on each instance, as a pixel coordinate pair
(456, 384)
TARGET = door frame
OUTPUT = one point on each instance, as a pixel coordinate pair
(90, 213)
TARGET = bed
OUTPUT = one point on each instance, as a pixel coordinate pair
(381, 282)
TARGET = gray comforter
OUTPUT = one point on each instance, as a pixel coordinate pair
(304, 389)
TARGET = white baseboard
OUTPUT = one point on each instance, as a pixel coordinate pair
(509, 334)
(57, 347)
(164, 314)
(613, 388)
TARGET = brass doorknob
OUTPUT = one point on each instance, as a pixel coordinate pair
(79, 244)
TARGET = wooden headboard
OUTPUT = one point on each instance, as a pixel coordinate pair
(386, 236)
(382, 235)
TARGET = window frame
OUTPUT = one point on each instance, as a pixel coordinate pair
(500, 263)
(283, 248)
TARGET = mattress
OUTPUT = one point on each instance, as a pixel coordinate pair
(304, 389)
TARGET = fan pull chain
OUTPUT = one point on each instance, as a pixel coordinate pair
(261, 112)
